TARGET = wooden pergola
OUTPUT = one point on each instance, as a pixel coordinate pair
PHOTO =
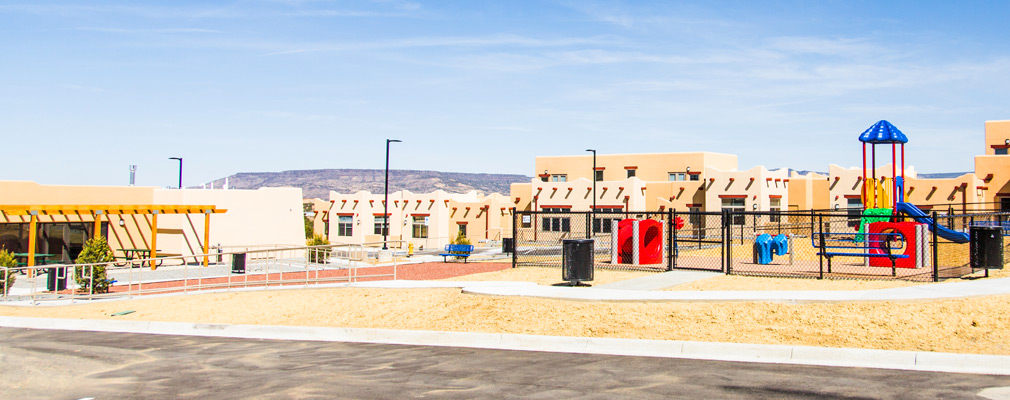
(97, 211)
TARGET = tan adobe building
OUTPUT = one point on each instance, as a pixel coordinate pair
(66, 217)
(700, 181)
(427, 221)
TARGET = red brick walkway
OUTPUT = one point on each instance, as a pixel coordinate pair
(425, 271)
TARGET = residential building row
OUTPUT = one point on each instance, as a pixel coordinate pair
(687, 181)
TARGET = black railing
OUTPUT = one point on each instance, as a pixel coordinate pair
(731, 241)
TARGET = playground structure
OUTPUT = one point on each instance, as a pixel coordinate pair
(637, 242)
(886, 237)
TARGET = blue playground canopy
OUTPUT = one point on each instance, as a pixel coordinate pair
(883, 132)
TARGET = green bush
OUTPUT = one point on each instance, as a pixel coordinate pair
(96, 250)
(7, 261)
(318, 255)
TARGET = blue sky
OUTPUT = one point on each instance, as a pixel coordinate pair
(89, 88)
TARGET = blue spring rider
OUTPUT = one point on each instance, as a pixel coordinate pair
(765, 246)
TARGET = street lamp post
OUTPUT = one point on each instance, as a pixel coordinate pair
(593, 177)
(385, 203)
(180, 169)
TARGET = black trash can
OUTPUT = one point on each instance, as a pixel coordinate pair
(56, 279)
(238, 263)
(507, 245)
(577, 260)
(986, 247)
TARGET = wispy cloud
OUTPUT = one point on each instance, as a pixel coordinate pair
(501, 40)
(627, 17)
(155, 30)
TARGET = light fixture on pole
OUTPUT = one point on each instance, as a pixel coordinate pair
(180, 169)
(593, 177)
(385, 203)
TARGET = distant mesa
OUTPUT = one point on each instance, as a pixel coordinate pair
(317, 183)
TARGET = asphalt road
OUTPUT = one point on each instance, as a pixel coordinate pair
(73, 365)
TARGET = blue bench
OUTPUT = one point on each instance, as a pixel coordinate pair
(894, 270)
(457, 250)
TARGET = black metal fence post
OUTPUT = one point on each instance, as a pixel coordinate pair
(670, 229)
(515, 242)
(936, 248)
(673, 220)
(820, 236)
(727, 238)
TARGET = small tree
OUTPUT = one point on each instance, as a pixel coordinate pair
(96, 250)
(7, 276)
(319, 255)
(460, 239)
(309, 227)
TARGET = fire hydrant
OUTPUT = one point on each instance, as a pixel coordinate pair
(410, 249)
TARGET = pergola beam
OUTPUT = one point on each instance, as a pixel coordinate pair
(35, 210)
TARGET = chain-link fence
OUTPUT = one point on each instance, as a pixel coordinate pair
(954, 256)
(838, 245)
(540, 235)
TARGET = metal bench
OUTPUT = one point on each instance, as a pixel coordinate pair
(457, 250)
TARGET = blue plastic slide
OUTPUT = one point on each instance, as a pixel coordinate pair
(921, 216)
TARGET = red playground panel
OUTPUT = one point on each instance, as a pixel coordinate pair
(908, 239)
(650, 241)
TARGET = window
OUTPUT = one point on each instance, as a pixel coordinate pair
(560, 178)
(735, 205)
(545, 178)
(462, 229)
(345, 225)
(775, 206)
(599, 175)
(555, 223)
(678, 176)
(607, 222)
(695, 177)
(631, 173)
(1004, 204)
(695, 217)
(381, 226)
(854, 210)
(420, 228)
(1001, 151)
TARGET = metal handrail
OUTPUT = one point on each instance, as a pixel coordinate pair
(280, 266)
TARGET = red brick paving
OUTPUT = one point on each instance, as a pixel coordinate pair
(424, 271)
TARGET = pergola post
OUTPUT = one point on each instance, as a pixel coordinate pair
(32, 232)
(98, 224)
(206, 237)
(154, 238)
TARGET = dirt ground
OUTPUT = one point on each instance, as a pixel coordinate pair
(974, 325)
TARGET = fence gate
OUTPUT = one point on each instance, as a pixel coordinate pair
(539, 237)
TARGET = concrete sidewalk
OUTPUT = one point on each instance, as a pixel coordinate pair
(621, 291)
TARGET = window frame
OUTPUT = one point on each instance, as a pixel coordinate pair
(598, 226)
(345, 225)
(377, 228)
(556, 223)
(419, 230)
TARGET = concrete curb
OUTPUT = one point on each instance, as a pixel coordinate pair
(914, 293)
(738, 352)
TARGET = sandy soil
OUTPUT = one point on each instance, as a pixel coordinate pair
(976, 325)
